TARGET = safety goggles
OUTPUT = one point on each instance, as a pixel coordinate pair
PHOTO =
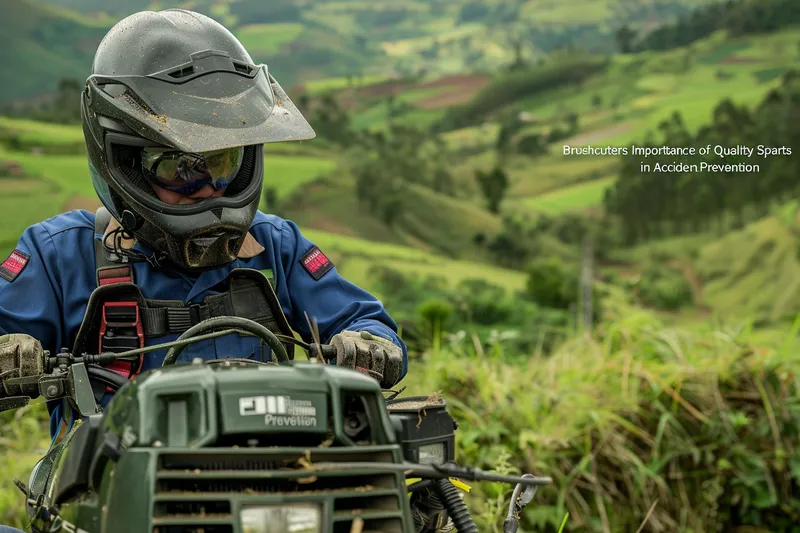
(186, 173)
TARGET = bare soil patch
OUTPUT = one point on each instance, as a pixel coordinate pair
(385, 88)
(598, 135)
(446, 99)
(734, 59)
(472, 81)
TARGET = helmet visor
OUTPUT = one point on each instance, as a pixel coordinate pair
(187, 172)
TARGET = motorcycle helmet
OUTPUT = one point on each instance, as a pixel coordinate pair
(175, 100)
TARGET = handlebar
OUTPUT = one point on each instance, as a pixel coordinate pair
(54, 371)
(234, 323)
(327, 351)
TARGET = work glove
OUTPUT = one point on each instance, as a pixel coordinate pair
(369, 354)
(21, 356)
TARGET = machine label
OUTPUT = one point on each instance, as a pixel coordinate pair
(280, 410)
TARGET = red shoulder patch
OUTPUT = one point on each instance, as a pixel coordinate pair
(14, 265)
(316, 263)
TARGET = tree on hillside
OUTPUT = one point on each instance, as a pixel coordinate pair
(572, 120)
(625, 37)
(646, 205)
(472, 11)
(493, 185)
(519, 61)
(385, 164)
(271, 198)
(303, 102)
(509, 126)
(378, 189)
(510, 248)
(260, 12)
(738, 17)
(68, 100)
(330, 121)
(432, 52)
(65, 107)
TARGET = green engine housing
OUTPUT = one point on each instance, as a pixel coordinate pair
(231, 448)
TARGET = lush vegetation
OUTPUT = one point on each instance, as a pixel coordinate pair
(739, 17)
(686, 431)
(40, 44)
(750, 167)
(449, 197)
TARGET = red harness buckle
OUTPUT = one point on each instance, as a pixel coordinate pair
(121, 330)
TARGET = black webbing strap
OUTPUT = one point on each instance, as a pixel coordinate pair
(249, 295)
(161, 317)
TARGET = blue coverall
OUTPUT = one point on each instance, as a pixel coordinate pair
(48, 298)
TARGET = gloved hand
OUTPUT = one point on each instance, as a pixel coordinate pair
(372, 355)
(20, 356)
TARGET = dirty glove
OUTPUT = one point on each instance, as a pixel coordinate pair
(372, 355)
(21, 356)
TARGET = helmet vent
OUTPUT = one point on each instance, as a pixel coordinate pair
(181, 72)
(242, 67)
(217, 212)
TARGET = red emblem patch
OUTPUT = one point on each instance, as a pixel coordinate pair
(316, 263)
(13, 265)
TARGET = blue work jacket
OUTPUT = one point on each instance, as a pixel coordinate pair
(45, 287)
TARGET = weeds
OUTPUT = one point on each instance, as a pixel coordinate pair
(702, 423)
(641, 427)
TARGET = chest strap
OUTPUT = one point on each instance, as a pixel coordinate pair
(122, 318)
(248, 294)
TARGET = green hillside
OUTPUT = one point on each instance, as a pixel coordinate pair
(39, 44)
(571, 99)
(304, 41)
(617, 105)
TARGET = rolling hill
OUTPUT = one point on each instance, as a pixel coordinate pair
(307, 40)
(616, 103)
(40, 43)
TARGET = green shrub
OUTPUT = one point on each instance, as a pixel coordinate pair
(482, 302)
(663, 288)
(551, 283)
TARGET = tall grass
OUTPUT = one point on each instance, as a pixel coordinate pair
(690, 431)
(640, 425)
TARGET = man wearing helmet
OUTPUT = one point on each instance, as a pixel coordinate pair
(175, 116)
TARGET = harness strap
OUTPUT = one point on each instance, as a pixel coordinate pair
(121, 326)
(118, 317)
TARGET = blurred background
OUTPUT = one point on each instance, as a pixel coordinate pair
(632, 335)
